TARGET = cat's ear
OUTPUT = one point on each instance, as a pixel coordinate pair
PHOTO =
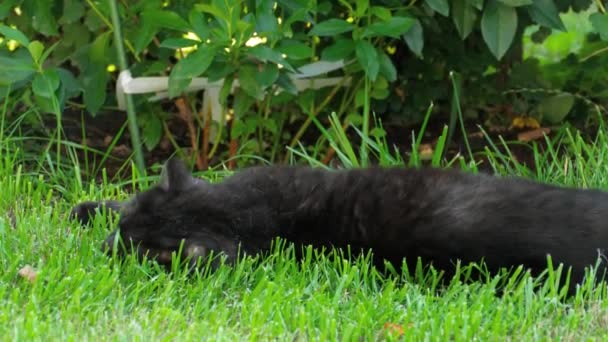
(176, 177)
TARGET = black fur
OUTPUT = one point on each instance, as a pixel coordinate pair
(84, 211)
(438, 215)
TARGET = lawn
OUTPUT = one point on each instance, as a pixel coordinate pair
(74, 292)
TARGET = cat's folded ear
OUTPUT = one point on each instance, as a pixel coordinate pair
(176, 177)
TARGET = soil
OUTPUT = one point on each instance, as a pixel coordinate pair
(101, 130)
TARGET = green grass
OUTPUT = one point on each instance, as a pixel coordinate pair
(80, 294)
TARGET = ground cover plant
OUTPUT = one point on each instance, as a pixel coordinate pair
(56, 283)
(514, 65)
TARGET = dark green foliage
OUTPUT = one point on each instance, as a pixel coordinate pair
(406, 51)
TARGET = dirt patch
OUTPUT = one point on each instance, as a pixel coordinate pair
(107, 133)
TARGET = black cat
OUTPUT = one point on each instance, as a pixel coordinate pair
(440, 216)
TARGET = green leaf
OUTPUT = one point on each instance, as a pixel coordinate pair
(144, 35)
(600, 24)
(341, 49)
(517, 3)
(382, 13)
(344, 3)
(226, 90)
(178, 43)
(238, 128)
(271, 125)
(15, 68)
(476, 3)
(387, 68)
(544, 13)
(98, 52)
(48, 52)
(242, 103)
(152, 68)
(267, 75)
(45, 84)
(555, 108)
(43, 19)
(5, 8)
(394, 27)
(249, 83)
(264, 54)
(368, 58)
(14, 34)
(219, 69)
(152, 21)
(45, 104)
(324, 7)
(377, 132)
(165, 19)
(415, 39)
(279, 99)
(381, 83)
(498, 26)
(152, 131)
(70, 84)
(245, 30)
(355, 118)
(189, 67)
(253, 123)
(295, 50)
(464, 16)
(287, 84)
(360, 98)
(36, 49)
(92, 21)
(95, 76)
(266, 21)
(331, 27)
(73, 10)
(305, 100)
(199, 24)
(94, 82)
(298, 15)
(214, 11)
(74, 35)
(440, 6)
(362, 6)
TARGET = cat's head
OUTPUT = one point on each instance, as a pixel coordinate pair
(169, 217)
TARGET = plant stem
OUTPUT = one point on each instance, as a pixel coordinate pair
(132, 119)
(313, 114)
(365, 129)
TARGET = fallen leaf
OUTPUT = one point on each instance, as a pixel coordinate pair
(29, 273)
(524, 122)
(533, 134)
(426, 151)
(107, 140)
(393, 328)
(165, 144)
(122, 150)
(400, 93)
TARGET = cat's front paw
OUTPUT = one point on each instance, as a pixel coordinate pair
(85, 211)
